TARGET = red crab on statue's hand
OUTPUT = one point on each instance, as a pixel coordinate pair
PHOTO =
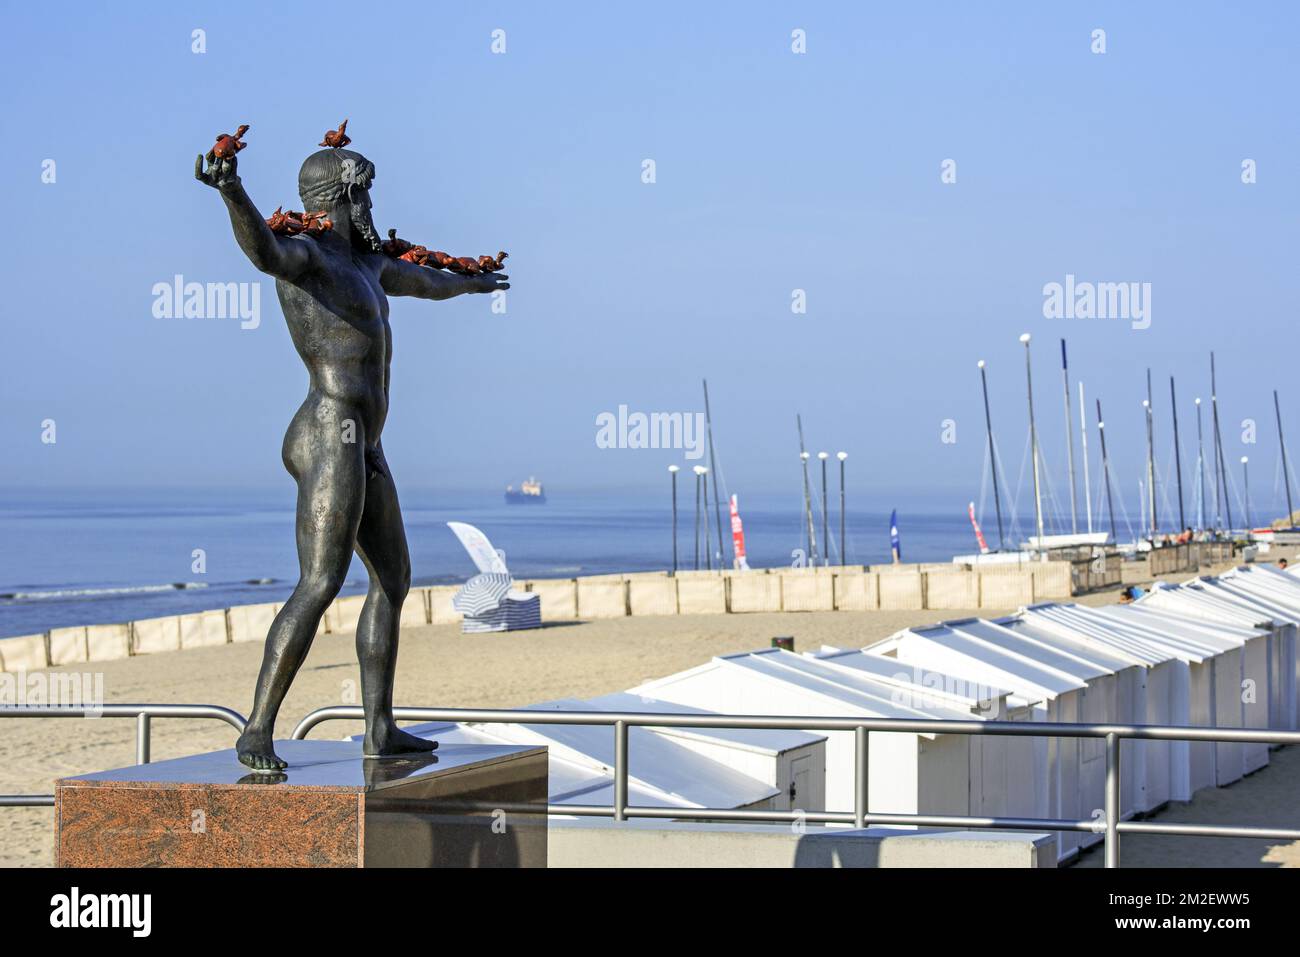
(228, 145)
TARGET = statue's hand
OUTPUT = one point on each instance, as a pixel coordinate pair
(220, 172)
(488, 282)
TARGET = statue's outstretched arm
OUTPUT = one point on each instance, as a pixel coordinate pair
(278, 256)
(407, 279)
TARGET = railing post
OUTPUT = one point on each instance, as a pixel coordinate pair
(620, 770)
(860, 777)
(142, 738)
(1112, 800)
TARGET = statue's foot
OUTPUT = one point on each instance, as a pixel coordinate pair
(255, 751)
(388, 739)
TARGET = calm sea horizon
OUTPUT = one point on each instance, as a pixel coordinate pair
(75, 557)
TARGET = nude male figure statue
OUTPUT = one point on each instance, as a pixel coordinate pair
(333, 289)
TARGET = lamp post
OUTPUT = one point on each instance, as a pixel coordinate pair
(699, 473)
(673, 470)
(708, 535)
(1245, 484)
(826, 559)
(843, 554)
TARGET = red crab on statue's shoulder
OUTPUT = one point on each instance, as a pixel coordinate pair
(228, 145)
(292, 223)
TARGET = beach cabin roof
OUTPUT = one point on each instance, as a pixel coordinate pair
(763, 740)
(819, 690)
(568, 782)
(1194, 599)
(654, 761)
(1097, 654)
(1083, 624)
(965, 647)
(956, 692)
(1112, 621)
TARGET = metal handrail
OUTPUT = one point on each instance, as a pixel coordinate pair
(143, 714)
(621, 721)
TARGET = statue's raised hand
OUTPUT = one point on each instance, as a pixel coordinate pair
(220, 171)
(488, 282)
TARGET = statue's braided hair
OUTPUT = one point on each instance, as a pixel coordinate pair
(326, 175)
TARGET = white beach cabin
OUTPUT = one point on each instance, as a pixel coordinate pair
(793, 762)
(1054, 693)
(1144, 785)
(1216, 680)
(1164, 694)
(908, 773)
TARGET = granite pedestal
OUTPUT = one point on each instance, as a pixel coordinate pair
(462, 806)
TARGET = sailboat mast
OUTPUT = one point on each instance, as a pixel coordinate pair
(713, 468)
(1069, 440)
(1151, 471)
(1105, 472)
(993, 461)
(1224, 507)
(1083, 445)
(1151, 444)
(1178, 459)
(1286, 476)
(807, 497)
(1033, 449)
(1200, 470)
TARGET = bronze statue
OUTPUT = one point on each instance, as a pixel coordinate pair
(333, 282)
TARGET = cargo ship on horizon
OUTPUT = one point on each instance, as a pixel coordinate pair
(528, 493)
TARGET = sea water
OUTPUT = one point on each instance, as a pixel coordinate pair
(77, 557)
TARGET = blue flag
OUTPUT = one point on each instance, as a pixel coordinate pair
(894, 544)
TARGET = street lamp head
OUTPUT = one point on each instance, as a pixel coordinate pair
(1244, 460)
(804, 456)
(700, 470)
(1024, 337)
(841, 455)
(673, 468)
(1101, 425)
(980, 363)
(822, 456)
(1198, 400)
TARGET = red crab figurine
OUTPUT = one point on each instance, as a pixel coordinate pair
(395, 247)
(488, 264)
(313, 224)
(227, 145)
(278, 220)
(337, 139)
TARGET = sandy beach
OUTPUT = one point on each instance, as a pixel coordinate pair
(438, 666)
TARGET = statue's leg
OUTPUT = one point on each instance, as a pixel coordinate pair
(381, 543)
(331, 491)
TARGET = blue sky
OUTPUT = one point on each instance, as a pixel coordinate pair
(774, 172)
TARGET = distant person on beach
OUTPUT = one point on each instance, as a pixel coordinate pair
(1130, 594)
(1281, 563)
